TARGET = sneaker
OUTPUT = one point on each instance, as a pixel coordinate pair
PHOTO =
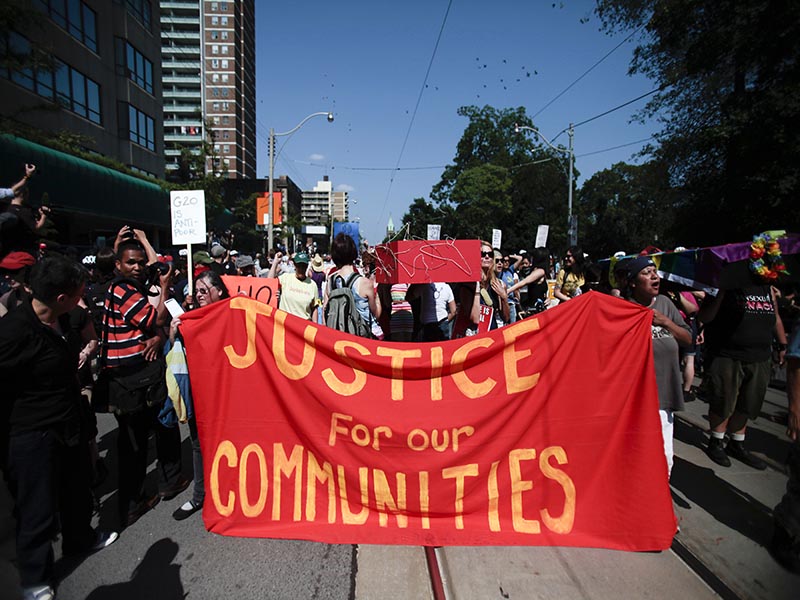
(176, 488)
(104, 540)
(716, 452)
(39, 592)
(142, 507)
(186, 510)
(688, 396)
(738, 451)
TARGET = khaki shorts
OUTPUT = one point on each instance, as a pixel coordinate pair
(735, 386)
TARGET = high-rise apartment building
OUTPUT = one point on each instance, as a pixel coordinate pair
(208, 62)
(323, 205)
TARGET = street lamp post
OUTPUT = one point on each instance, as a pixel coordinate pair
(272, 136)
(571, 233)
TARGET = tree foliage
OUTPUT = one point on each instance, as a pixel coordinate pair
(729, 104)
(627, 207)
(499, 179)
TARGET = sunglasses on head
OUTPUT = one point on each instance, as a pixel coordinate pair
(489, 254)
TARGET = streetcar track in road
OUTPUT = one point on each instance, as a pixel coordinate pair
(698, 567)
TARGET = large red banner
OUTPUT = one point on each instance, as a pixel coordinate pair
(545, 432)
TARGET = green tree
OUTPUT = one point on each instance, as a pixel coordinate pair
(420, 214)
(502, 179)
(729, 102)
(627, 207)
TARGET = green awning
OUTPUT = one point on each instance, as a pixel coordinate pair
(80, 186)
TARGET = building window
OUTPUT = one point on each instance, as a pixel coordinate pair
(225, 134)
(63, 84)
(142, 10)
(215, 92)
(225, 78)
(215, 20)
(225, 106)
(141, 128)
(224, 63)
(215, 35)
(224, 49)
(134, 65)
(223, 7)
(215, 78)
(215, 6)
(225, 120)
(75, 17)
(226, 149)
(224, 92)
(215, 107)
(224, 20)
(214, 49)
(224, 35)
(215, 64)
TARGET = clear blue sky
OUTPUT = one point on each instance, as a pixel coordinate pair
(366, 62)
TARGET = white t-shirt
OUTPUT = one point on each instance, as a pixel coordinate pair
(443, 295)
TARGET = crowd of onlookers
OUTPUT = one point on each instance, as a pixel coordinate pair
(101, 332)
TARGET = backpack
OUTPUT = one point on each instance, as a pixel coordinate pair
(341, 312)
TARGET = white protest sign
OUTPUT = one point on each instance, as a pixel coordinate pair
(541, 236)
(497, 238)
(434, 231)
(188, 211)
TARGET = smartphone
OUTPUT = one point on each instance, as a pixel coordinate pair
(174, 308)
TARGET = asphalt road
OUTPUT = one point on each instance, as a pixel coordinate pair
(159, 558)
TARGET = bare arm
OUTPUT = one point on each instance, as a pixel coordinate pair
(274, 266)
(534, 275)
(29, 171)
(708, 312)
(141, 237)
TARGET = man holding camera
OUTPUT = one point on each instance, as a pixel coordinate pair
(133, 339)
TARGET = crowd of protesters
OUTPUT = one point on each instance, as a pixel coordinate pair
(74, 333)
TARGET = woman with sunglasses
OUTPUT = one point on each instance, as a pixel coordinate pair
(570, 278)
(489, 291)
(208, 289)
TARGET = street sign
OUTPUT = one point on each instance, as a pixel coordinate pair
(188, 212)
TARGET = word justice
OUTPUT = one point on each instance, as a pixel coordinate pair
(241, 479)
(350, 352)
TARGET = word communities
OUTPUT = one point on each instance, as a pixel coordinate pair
(527, 485)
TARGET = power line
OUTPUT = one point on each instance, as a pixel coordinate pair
(609, 111)
(346, 168)
(586, 72)
(616, 147)
(416, 107)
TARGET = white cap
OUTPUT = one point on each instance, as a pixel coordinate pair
(183, 252)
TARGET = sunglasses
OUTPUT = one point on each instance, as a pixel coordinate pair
(498, 261)
(489, 254)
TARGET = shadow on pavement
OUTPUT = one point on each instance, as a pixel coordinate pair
(156, 577)
(727, 504)
(768, 444)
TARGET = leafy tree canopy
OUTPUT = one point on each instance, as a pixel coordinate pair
(729, 102)
(499, 179)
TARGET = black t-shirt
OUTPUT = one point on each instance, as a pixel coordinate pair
(744, 326)
(39, 374)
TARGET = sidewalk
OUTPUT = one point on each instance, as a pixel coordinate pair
(725, 516)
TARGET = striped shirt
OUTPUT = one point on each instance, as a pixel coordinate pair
(131, 319)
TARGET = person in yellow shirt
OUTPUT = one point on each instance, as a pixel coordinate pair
(298, 292)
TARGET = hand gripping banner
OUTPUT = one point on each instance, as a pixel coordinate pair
(545, 432)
